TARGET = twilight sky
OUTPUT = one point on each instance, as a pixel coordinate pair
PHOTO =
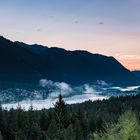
(109, 27)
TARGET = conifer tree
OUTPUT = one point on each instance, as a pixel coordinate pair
(1, 136)
(61, 113)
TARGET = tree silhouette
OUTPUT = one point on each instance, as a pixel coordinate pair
(60, 111)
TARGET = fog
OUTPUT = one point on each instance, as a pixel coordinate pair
(47, 94)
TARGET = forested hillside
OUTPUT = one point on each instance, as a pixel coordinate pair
(87, 121)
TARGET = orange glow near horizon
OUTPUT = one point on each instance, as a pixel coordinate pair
(130, 64)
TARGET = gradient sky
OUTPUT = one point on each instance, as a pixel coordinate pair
(109, 27)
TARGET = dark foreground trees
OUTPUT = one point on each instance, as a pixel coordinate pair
(99, 120)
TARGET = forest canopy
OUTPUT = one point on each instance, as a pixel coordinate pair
(113, 119)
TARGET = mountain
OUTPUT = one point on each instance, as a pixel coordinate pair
(35, 48)
(16, 65)
(23, 63)
(137, 73)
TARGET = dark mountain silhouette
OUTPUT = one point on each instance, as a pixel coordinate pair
(24, 63)
(16, 64)
(137, 72)
(35, 48)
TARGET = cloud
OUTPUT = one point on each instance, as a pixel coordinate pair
(101, 23)
(46, 83)
(49, 102)
(76, 21)
(102, 83)
(56, 88)
(88, 89)
(51, 16)
(38, 30)
(97, 91)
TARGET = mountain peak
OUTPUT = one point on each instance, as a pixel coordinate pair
(2, 38)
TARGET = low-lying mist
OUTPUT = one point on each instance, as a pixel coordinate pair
(46, 95)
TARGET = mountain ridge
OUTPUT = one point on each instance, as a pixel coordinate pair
(77, 67)
(136, 72)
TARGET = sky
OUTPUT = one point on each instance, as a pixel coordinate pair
(108, 27)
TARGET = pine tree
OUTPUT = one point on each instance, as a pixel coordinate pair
(61, 113)
(36, 133)
(20, 135)
(82, 123)
(45, 119)
(69, 133)
(1, 136)
(3, 122)
(78, 130)
(52, 130)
